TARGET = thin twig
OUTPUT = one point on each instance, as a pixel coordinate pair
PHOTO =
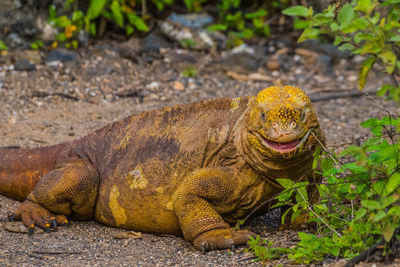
(45, 94)
(56, 252)
(320, 98)
(327, 151)
(319, 217)
(247, 258)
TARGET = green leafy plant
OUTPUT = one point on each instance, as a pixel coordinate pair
(37, 44)
(3, 46)
(72, 21)
(359, 200)
(189, 72)
(194, 5)
(70, 26)
(120, 12)
(365, 27)
(263, 250)
(240, 24)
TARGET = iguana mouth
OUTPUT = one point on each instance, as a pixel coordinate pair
(283, 147)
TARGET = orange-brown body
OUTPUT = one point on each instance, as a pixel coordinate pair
(190, 169)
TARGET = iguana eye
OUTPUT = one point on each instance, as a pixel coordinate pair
(263, 117)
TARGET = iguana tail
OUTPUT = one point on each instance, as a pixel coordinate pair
(21, 169)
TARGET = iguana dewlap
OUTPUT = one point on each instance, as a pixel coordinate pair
(189, 169)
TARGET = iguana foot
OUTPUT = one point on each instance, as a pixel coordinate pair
(33, 214)
(222, 239)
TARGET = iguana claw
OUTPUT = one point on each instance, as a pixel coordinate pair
(31, 229)
(11, 218)
(53, 223)
(203, 249)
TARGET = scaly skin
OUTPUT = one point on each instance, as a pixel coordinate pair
(188, 170)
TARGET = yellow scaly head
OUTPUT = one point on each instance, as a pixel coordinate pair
(281, 120)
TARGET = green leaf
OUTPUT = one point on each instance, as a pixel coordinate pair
(62, 22)
(395, 38)
(321, 19)
(334, 26)
(338, 40)
(93, 28)
(326, 163)
(77, 15)
(286, 183)
(116, 13)
(390, 200)
(259, 13)
(217, 27)
(369, 123)
(129, 29)
(52, 12)
(95, 8)
(306, 237)
(3, 46)
(394, 211)
(266, 30)
(364, 70)
(389, 60)
(346, 46)
(309, 33)
(379, 216)
(283, 216)
(345, 15)
(371, 204)
(297, 11)
(393, 183)
(364, 6)
(301, 24)
(388, 231)
(358, 24)
(247, 33)
(138, 22)
(360, 213)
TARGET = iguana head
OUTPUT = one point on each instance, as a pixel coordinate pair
(280, 122)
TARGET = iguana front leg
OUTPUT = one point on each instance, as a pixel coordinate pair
(71, 189)
(199, 203)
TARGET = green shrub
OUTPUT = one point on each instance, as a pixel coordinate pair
(360, 200)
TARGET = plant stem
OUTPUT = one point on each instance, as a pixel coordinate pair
(319, 217)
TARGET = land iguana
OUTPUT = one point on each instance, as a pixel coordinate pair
(188, 170)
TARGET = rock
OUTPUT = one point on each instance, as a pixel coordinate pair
(15, 41)
(83, 38)
(272, 64)
(179, 86)
(324, 48)
(128, 235)
(33, 56)
(241, 63)
(153, 42)
(18, 22)
(243, 48)
(61, 55)
(153, 86)
(19, 227)
(188, 31)
(352, 78)
(193, 21)
(24, 65)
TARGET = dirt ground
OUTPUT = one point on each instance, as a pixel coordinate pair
(64, 100)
